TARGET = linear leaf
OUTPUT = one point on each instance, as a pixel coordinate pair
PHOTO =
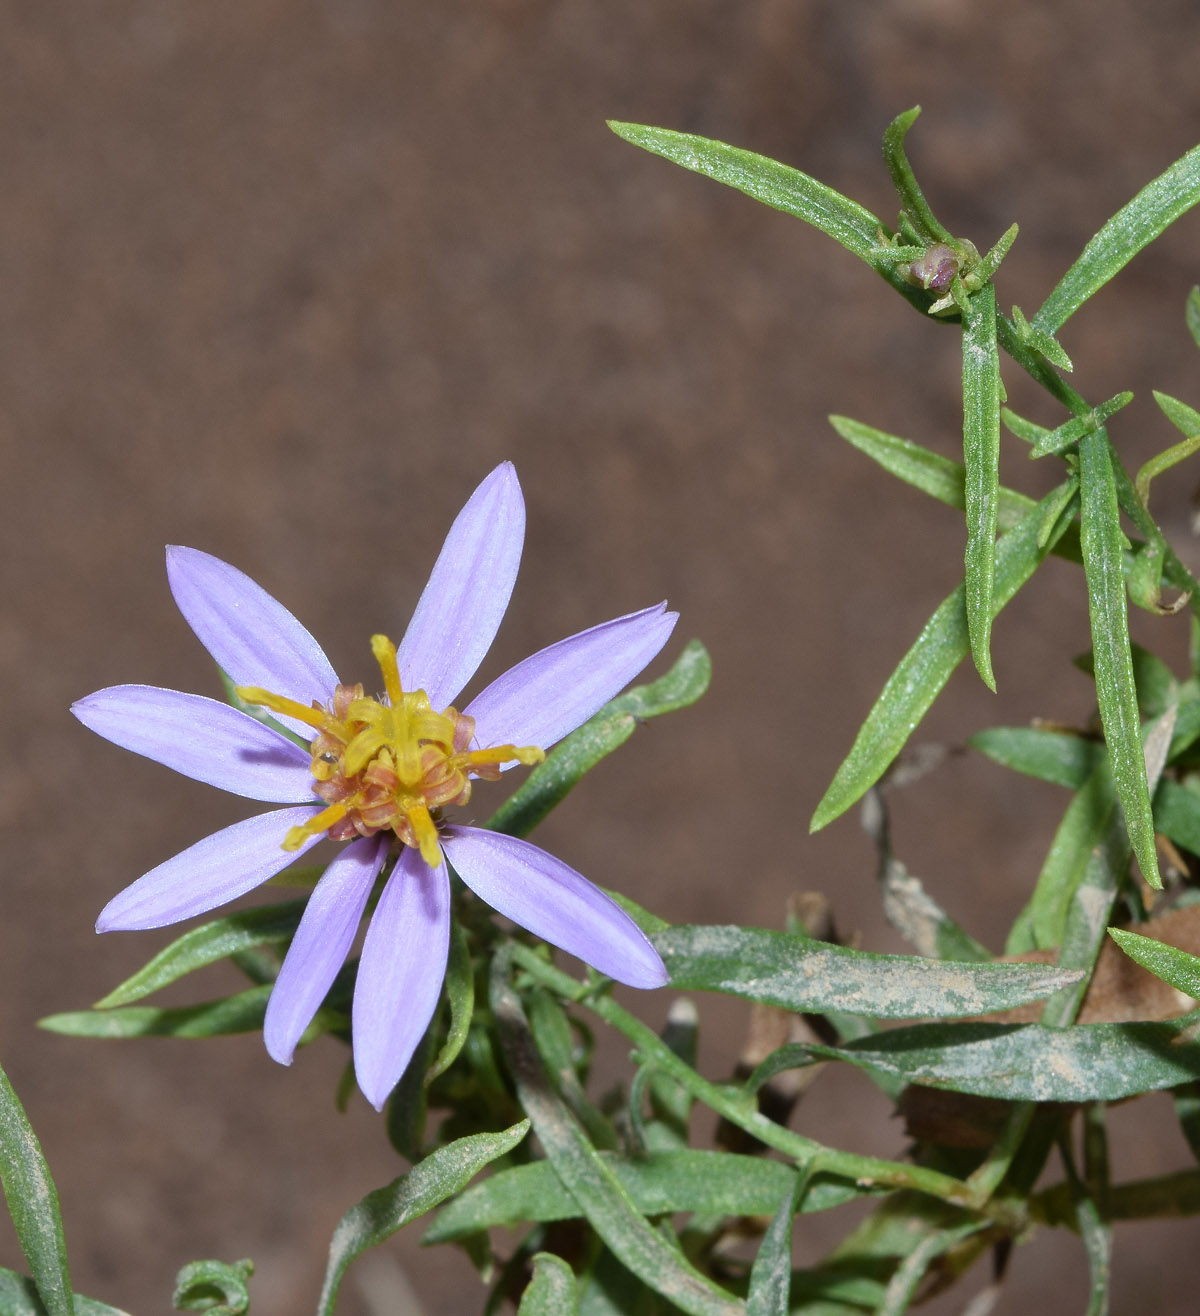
(940, 477)
(781, 187)
(33, 1203)
(1031, 1062)
(440, 1175)
(981, 456)
(590, 1179)
(1102, 542)
(1136, 224)
(661, 1183)
(1173, 966)
(1054, 756)
(241, 1013)
(552, 1290)
(460, 993)
(1177, 814)
(926, 668)
(268, 925)
(1192, 314)
(19, 1297)
(551, 781)
(771, 1273)
(912, 199)
(798, 974)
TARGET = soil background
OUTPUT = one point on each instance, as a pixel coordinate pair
(283, 281)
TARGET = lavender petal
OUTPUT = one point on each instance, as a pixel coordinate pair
(460, 610)
(254, 639)
(321, 944)
(540, 700)
(215, 870)
(202, 739)
(554, 902)
(400, 973)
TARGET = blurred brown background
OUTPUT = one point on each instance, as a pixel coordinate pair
(285, 280)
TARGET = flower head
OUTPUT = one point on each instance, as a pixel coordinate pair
(377, 773)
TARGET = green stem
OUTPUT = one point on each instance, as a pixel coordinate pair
(867, 1171)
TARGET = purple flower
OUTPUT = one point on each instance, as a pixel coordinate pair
(377, 773)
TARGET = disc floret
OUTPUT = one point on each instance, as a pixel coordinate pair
(390, 763)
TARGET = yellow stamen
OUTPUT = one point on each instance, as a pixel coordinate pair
(321, 822)
(385, 655)
(313, 717)
(425, 833)
(390, 763)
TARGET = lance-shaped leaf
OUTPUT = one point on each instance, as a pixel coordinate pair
(440, 1175)
(912, 199)
(1057, 440)
(460, 993)
(1054, 756)
(779, 969)
(550, 782)
(981, 456)
(1031, 1062)
(19, 1297)
(33, 1203)
(781, 187)
(771, 1273)
(552, 1290)
(267, 925)
(926, 668)
(661, 1183)
(241, 1013)
(1102, 541)
(1173, 966)
(589, 1178)
(1136, 224)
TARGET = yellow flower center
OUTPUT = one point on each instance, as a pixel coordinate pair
(388, 764)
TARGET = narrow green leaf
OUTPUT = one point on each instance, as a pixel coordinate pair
(902, 1287)
(1168, 1195)
(1101, 540)
(241, 1013)
(1097, 1244)
(940, 477)
(1032, 1062)
(215, 1287)
(1184, 418)
(19, 1297)
(1136, 224)
(912, 199)
(1173, 966)
(1059, 439)
(381, 1213)
(33, 1203)
(589, 1179)
(661, 1183)
(1177, 814)
(1043, 343)
(926, 668)
(460, 992)
(1054, 756)
(551, 781)
(778, 969)
(981, 456)
(1192, 314)
(771, 1273)
(551, 1291)
(781, 187)
(269, 925)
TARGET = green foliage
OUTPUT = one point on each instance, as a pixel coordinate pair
(621, 1215)
(33, 1204)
